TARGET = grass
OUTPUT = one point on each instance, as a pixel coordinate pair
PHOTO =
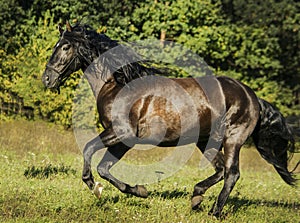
(52, 190)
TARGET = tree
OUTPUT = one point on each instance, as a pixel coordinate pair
(279, 20)
(11, 18)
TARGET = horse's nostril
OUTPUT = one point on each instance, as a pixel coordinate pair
(46, 80)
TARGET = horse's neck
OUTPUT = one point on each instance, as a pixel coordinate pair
(95, 84)
(96, 72)
(97, 75)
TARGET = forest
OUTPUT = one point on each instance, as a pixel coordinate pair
(254, 41)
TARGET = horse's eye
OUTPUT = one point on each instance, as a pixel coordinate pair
(66, 47)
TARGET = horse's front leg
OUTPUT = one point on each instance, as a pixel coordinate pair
(111, 157)
(100, 142)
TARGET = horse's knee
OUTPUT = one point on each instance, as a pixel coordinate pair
(88, 150)
(220, 173)
(218, 162)
(236, 176)
(91, 147)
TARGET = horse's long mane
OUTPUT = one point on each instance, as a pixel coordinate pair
(125, 63)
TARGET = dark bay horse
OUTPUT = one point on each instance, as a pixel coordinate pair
(137, 106)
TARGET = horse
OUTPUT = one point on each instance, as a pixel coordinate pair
(134, 101)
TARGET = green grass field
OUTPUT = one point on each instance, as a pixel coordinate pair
(52, 190)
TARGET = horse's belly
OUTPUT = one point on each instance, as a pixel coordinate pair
(171, 131)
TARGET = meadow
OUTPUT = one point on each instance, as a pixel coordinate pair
(40, 181)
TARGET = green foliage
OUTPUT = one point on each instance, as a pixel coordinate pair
(172, 17)
(22, 73)
(279, 25)
(255, 42)
(11, 18)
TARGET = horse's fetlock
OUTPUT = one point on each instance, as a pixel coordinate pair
(199, 190)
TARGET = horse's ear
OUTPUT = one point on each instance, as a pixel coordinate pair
(68, 26)
(61, 30)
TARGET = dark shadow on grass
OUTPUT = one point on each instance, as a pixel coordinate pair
(104, 200)
(241, 203)
(107, 199)
(167, 194)
(236, 203)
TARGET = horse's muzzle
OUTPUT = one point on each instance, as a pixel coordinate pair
(50, 79)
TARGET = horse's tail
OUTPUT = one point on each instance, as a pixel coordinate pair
(274, 140)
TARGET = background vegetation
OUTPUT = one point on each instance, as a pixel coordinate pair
(254, 41)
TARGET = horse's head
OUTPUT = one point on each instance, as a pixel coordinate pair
(76, 49)
(64, 60)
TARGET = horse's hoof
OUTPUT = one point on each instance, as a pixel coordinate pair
(98, 189)
(214, 212)
(141, 191)
(196, 201)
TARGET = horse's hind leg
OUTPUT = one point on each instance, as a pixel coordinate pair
(201, 187)
(232, 174)
(111, 157)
